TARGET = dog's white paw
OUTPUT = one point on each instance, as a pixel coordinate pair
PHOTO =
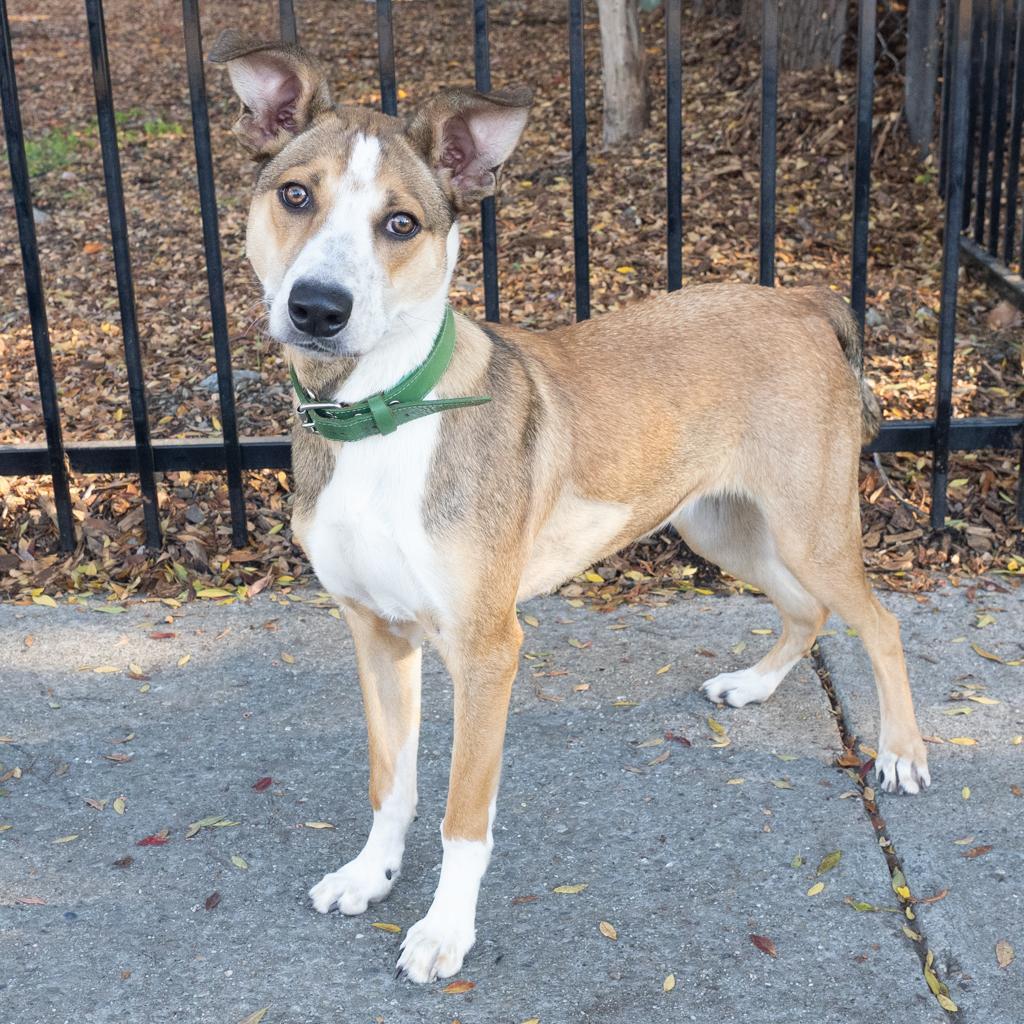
(906, 773)
(435, 948)
(739, 688)
(353, 887)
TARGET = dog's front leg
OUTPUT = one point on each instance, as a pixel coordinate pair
(483, 666)
(389, 674)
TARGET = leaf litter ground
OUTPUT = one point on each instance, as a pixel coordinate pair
(721, 112)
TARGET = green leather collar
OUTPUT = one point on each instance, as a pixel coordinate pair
(386, 411)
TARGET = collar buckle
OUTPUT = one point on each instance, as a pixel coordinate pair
(304, 408)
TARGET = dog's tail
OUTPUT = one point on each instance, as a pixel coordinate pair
(852, 341)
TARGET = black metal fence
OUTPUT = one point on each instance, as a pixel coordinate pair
(995, 122)
(980, 164)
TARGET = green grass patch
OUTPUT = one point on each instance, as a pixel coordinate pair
(59, 149)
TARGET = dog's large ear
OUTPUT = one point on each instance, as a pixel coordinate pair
(466, 136)
(281, 88)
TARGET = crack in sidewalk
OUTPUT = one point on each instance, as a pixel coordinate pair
(893, 861)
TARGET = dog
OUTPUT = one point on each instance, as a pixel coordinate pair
(446, 469)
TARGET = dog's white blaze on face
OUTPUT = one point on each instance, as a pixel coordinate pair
(342, 252)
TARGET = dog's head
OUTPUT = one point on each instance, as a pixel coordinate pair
(352, 225)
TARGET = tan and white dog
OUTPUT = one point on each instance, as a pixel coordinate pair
(733, 412)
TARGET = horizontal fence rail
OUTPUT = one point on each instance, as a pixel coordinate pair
(982, 122)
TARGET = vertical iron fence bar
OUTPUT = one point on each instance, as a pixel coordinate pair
(214, 269)
(488, 215)
(386, 58)
(1002, 54)
(578, 117)
(769, 118)
(34, 284)
(674, 141)
(951, 263)
(977, 25)
(1020, 486)
(862, 160)
(947, 70)
(123, 266)
(985, 133)
(1016, 124)
(286, 17)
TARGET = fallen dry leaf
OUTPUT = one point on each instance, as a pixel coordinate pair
(456, 988)
(571, 890)
(256, 1017)
(1004, 953)
(212, 901)
(899, 884)
(608, 930)
(829, 861)
(157, 839)
(261, 784)
(940, 895)
(1002, 315)
(986, 654)
(764, 944)
(977, 851)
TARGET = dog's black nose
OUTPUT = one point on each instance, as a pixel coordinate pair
(319, 309)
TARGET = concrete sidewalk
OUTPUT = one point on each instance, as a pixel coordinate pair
(686, 850)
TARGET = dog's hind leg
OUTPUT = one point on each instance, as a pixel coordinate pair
(732, 532)
(827, 560)
(389, 674)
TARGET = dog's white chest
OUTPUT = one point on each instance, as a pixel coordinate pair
(367, 540)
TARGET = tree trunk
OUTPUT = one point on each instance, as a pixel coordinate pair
(623, 71)
(922, 72)
(811, 32)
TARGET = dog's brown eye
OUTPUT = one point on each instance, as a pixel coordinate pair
(294, 196)
(402, 225)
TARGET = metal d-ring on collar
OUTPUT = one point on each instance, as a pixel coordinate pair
(385, 411)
